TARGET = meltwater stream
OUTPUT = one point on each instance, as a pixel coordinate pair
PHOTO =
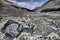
(29, 4)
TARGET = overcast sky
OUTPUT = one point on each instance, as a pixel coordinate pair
(29, 4)
(30, 0)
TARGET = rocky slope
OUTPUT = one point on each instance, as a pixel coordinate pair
(45, 19)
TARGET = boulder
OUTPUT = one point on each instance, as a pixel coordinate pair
(14, 29)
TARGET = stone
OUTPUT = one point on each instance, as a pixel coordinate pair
(24, 26)
(10, 28)
(14, 29)
(6, 38)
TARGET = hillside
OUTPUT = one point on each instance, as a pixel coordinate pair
(43, 23)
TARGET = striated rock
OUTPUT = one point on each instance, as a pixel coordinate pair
(6, 38)
(13, 29)
(24, 26)
(10, 28)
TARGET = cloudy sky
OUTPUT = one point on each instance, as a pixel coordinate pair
(29, 4)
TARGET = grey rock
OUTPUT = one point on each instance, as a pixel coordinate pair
(10, 29)
(6, 38)
(24, 26)
(14, 29)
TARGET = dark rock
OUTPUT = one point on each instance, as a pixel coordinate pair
(6, 38)
(26, 27)
(14, 29)
(50, 9)
(10, 28)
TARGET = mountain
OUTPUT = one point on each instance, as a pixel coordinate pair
(44, 19)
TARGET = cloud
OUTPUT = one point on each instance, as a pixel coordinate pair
(29, 5)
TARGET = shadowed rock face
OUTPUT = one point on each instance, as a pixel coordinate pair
(50, 9)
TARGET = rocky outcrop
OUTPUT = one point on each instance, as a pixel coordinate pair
(45, 19)
(13, 29)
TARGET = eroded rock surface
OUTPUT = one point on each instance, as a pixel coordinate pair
(13, 29)
(44, 21)
(40, 30)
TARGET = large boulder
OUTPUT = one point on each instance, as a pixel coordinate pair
(14, 29)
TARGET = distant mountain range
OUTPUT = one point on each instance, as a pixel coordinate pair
(29, 4)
